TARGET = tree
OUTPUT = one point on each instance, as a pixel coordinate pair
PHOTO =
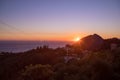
(37, 72)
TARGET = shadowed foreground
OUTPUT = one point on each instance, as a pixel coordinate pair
(68, 63)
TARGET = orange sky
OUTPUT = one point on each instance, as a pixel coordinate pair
(55, 37)
(61, 20)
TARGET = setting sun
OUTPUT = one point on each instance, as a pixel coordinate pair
(77, 39)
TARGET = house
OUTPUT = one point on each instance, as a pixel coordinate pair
(67, 58)
(113, 46)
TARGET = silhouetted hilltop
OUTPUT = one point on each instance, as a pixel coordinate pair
(96, 42)
(92, 42)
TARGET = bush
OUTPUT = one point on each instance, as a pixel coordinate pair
(37, 72)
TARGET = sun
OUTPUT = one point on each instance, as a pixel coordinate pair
(77, 39)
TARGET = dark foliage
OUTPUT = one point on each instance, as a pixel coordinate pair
(44, 63)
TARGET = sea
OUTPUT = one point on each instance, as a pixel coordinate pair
(22, 46)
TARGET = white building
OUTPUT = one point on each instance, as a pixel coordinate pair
(113, 46)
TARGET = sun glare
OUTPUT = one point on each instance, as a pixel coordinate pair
(77, 39)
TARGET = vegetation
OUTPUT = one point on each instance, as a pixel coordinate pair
(44, 63)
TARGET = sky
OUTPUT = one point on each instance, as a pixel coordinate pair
(58, 19)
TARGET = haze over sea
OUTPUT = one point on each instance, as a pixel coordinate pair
(21, 46)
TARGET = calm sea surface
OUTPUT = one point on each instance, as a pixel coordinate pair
(21, 46)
